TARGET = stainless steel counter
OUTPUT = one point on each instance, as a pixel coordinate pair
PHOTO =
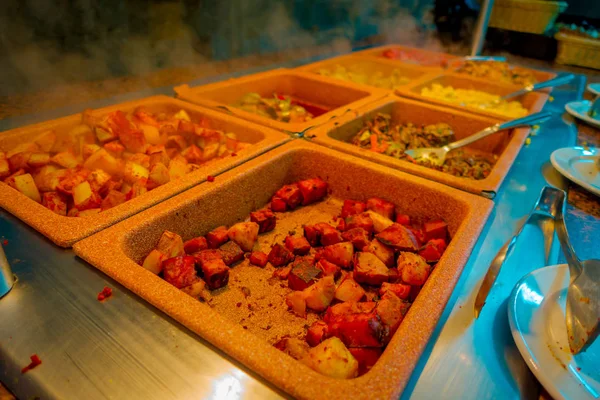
(126, 349)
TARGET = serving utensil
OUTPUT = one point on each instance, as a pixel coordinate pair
(7, 279)
(562, 79)
(437, 156)
(545, 209)
(583, 295)
(595, 109)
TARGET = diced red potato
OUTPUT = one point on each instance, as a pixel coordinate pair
(296, 301)
(170, 244)
(384, 253)
(403, 219)
(278, 204)
(381, 207)
(179, 271)
(258, 258)
(391, 311)
(369, 269)
(366, 357)
(399, 237)
(399, 289)
(55, 202)
(328, 268)
(319, 296)
(265, 219)
(355, 324)
(231, 253)
(413, 268)
(328, 234)
(303, 275)
(313, 234)
(380, 223)
(297, 245)
(358, 237)
(316, 333)
(207, 255)
(280, 255)
(216, 273)
(295, 348)
(339, 254)
(291, 195)
(419, 236)
(312, 190)
(352, 207)
(195, 245)
(244, 234)
(394, 276)
(332, 358)
(349, 290)
(195, 289)
(282, 273)
(433, 250)
(217, 237)
(360, 221)
(437, 229)
(153, 261)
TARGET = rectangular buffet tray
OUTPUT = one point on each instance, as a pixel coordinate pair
(118, 250)
(505, 145)
(64, 231)
(532, 102)
(339, 97)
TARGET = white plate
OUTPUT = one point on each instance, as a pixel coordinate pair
(536, 313)
(594, 88)
(579, 109)
(579, 165)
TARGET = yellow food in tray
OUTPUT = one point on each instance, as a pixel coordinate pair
(475, 99)
(498, 72)
(359, 73)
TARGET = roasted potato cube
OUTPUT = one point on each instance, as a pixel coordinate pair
(413, 268)
(282, 273)
(19, 161)
(130, 135)
(231, 253)
(104, 161)
(71, 178)
(217, 237)
(349, 290)
(84, 198)
(98, 179)
(401, 290)
(328, 268)
(383, 252)
(403, 219)
(316, 333)
(216, 273)
(193, 154)
(55, 202)
(433, 250)
(360, 221)
(139, 158)
(48, 178)
(356, 324)
(291, 195)
(38, 160)
(207, 255)
(178, 142)
(380, 223)
(145, 116)
(329, 235)
(66, 160)
(312, 190)
(196, 289)
(46, 140)
(358, 237)
(4, 168)
(381, 207)
(332, 358)
(293, 347)
(152, 134)
(280, 256)
(258, 258)
(23, 148)
(398, 237)
(26, 185)
(178, 167)
(391, 311)
(297, 245)
(244, 234)
(303, 274)
(115, 148)
(170, 244)
(437, 229)
(352, 207)
(369, 269)
(154, 261)
(135, 173)
(180, 271)
(112, 199)
(182, 115)
(88, 149)
(195, 245)
(105, 134)
(297, 303)
(265, 219)
(320, 295)
(158, 176)
(366, 357)
(278, 204)
(339, 254)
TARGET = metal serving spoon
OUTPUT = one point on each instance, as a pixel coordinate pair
(437, 156)
(558, 81)
(583, 295)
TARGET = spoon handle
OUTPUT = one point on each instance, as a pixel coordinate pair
(575, 267)
(559, 80)
(524, 121)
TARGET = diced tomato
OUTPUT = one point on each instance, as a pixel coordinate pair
(258, 258)
(403, 219)
(312, 190)
(278, 204)
(265, 219)
(352, 207)
(291, 195)
(433, 250)
(217, 237)
(399, 289)
(297, 245)
(437, 229)
(179, 271)
(195, 245)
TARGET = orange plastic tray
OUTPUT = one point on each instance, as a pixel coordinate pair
(339, 97)
(117, 251)
(64, 231)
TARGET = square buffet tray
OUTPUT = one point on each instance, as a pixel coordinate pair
(64, 231)
(505, 144)
(118, 250)
(338, 97)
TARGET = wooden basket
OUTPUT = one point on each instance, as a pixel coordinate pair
(531, 16)
(577, 50)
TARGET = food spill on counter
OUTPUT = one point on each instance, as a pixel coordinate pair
(35, 361)
(105, 293)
